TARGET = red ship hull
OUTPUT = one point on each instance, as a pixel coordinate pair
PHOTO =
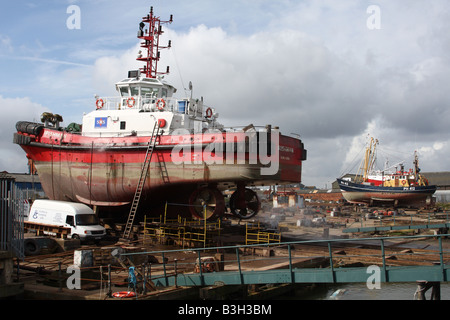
(106, 171)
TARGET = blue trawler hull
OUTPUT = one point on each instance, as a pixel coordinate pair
(368, 194)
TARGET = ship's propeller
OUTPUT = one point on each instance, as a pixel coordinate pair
(207, 199)
(246, 207)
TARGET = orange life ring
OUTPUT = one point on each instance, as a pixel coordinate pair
(130, 102)
(209, 113)
(99, 103)
(160, 104)
(124, 294)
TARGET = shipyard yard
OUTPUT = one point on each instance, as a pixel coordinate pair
(163, 251)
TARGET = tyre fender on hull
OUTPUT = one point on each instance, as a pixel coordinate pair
(21, 139)
(29, 127)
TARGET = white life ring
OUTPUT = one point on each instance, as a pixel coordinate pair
(99, 103)
(130, 102)
(124, 294)
(160, 104)
(209, 113)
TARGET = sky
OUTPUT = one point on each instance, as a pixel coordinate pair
(332, 72)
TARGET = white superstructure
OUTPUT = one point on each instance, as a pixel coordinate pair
(141, 103)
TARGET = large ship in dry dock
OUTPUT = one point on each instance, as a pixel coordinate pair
(398, 187)
(147, 142)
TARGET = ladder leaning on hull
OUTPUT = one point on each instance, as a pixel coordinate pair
(140, 185)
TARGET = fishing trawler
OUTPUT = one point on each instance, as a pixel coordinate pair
(148, 145)
(398, 187)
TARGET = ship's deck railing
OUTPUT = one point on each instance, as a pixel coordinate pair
(150, 104)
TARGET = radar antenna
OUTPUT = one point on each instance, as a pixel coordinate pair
(150, 42)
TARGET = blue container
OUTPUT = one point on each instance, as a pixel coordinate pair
(182, 106)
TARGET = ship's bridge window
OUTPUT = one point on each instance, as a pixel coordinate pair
(134, 90)
(149, 94)
(124, 91)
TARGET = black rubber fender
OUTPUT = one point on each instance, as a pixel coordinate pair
(21, 139)
(39, 245)
(31, 247)
(29, 127)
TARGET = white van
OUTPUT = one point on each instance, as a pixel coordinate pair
(77, 216)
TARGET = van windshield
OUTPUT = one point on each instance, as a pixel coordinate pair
(86, 219)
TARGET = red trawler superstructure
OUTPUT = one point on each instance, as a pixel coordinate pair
(148, 143)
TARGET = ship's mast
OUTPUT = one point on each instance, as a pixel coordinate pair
(150, 43)
(369, 159)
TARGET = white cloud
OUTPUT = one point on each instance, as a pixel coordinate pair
(5, 44)
(15, 109)
(111, 69)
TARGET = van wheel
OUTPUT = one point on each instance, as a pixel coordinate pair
(75, 236)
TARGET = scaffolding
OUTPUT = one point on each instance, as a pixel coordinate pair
(180, 231)
(256, 234)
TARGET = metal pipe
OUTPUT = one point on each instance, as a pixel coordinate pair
(384, 261)
(164, 268)
(176, 272)
(200, 267)
(239, 265)
(144, 279)
(109, 281)
(441, 260)
(331, 262)
(290, 263)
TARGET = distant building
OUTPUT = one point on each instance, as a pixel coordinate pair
(29, 184)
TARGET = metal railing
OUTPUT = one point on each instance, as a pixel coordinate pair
(255, 234)
(183, 106)
(11, 218)
(287, 270)
(182, 230)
